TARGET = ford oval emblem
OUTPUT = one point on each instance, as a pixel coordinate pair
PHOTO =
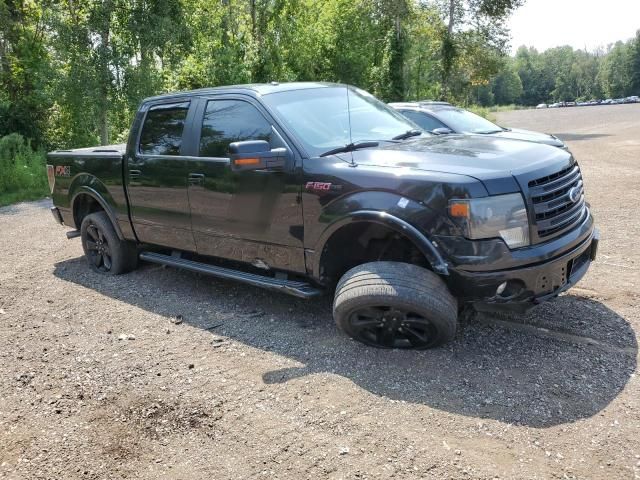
(574, 194)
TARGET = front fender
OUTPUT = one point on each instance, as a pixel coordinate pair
(426, 247)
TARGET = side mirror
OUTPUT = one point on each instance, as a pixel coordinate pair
(256, 155)
(441, 131)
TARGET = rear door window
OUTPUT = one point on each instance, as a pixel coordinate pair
(228, 121)
(162, 129)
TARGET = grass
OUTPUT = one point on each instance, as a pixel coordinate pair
(23, 174)
(484, 112)
(507, 108)
(21, 196)
(488, 112)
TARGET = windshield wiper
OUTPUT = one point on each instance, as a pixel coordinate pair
(407, 134)
(349, 147)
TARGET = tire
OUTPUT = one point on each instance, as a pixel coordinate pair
(105, 252)
(395, 305)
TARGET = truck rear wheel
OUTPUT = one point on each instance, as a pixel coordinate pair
(395, 305)
(105, 252)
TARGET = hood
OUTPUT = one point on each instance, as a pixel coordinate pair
(530, 136)
(492, 160)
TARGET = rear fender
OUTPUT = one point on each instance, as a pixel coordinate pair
(85, 184)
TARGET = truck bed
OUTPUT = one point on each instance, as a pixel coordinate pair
(95, 173)
(104, 150)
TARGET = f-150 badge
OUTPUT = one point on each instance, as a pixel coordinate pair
(322, 186)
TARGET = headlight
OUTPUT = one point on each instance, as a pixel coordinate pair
(503, 216)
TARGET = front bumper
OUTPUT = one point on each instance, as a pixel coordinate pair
(529, 285)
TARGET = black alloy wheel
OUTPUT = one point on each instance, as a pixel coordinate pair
(395, 305)
(98, 249)
(106, 253)
(392, 327)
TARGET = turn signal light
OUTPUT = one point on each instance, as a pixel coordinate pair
(247, 161)
(459, 209)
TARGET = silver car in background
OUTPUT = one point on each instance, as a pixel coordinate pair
(441, 118)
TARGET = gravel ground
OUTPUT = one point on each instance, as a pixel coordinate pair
(167, 374)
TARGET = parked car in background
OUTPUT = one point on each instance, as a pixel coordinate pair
(542, 105)
(554, 105)
(443, 118)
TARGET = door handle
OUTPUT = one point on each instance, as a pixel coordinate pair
(196, 179)
(134, 174)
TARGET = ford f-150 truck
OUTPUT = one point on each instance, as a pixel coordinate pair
(311, 187)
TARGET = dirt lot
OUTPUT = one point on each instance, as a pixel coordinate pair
(100, 378)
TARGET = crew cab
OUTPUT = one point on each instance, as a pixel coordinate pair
(306, 188)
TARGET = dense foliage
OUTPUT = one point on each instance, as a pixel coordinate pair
(565, 74)
(73, 72)
(23, 173)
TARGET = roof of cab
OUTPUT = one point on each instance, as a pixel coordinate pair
(255, 89)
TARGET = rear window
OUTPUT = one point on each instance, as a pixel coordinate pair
(423, 120)
(162, 129)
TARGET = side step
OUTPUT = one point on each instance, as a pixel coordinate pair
(296, 288)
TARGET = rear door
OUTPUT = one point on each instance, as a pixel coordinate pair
(157, 176)
(250, 216)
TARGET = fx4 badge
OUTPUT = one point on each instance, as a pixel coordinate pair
(63, 171)
(322, 187)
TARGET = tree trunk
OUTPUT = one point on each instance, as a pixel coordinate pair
(452, 11)
(104, 75)
(103, 104)
(448, 51)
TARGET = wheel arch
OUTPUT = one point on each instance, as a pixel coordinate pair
(373, 217)
(84, 201)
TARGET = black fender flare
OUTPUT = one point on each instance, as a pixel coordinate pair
(426, 246)
(85, 190)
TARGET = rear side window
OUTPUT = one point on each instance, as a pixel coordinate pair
(162, 129)
(423, 120)
(228, 121)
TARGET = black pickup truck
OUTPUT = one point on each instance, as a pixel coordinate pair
(311, 187)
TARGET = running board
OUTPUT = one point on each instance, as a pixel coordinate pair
(296, 288)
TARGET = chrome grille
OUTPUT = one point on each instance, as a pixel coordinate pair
(558, 201)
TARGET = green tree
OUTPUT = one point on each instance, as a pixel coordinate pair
(507, 86)
(635, 65)
(24, 70)
(615, 71)
(470, 24)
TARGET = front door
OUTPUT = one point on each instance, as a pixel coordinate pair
(157, 178)
(251, 216)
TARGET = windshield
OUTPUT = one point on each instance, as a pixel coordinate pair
(319, 117)
(466, 122)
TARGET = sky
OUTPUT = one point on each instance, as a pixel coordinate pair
(579, 23)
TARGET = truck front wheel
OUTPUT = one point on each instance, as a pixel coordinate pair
(395, 305)
(105, 252)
